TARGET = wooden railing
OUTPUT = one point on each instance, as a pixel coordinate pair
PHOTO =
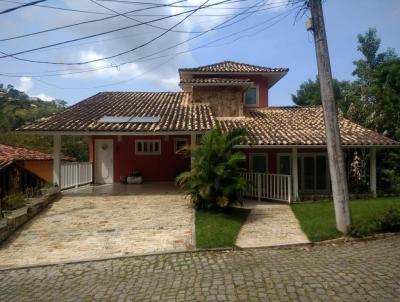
(268, 186)
(75, 174)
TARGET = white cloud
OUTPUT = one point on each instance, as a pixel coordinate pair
(25, 84)
(44, 97)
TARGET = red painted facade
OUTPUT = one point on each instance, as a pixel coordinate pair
(154, 167)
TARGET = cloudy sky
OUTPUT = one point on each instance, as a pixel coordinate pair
(123, 54)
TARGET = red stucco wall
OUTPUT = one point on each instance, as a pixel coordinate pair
(163, 167)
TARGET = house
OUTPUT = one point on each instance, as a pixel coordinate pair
(22, 169)
(143, 130)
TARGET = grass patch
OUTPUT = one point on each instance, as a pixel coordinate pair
(219, 229)
(318, 219)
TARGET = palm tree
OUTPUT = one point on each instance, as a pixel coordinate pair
(214, 180)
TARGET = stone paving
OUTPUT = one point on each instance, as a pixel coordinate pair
(87, 226)
(270, 224)
(358, 271)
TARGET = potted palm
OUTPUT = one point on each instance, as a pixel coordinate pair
(14, 206)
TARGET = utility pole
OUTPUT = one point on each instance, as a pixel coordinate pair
(332, 132)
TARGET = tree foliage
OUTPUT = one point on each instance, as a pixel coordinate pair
(371, 100)
(18, 109)
(214, 180)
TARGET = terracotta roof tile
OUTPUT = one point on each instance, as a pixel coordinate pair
(229, 66)
(299, 126)
(175, 113)
(215, 81)
(11, 153)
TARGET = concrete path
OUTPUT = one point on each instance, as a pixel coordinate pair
(270, 224)
(358, 271)
(95, 226)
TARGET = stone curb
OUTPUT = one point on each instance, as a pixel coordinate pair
(341, 240)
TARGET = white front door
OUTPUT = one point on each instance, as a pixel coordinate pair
(104, 159)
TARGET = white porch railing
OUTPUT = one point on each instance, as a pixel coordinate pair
(268, 186)
(75, 174)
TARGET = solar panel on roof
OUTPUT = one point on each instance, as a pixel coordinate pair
(114, 119)
(145, 119)
(129, 119)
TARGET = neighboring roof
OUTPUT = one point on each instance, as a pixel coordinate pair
(215, 81)
(10, 154)
(233, 67)
(299, 126)
(175, 113)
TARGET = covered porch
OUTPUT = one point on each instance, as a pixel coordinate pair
(277, 173)
(298, 173)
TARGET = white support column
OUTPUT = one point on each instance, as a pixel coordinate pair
(372, 171)
(192, 144)
(295, 175)
(57, 160)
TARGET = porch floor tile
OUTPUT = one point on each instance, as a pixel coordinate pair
(270, 224)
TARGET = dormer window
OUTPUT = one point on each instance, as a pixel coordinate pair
(251, 97)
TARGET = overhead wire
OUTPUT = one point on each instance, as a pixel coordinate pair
(9, 10)
(52, 73)
(98, 34)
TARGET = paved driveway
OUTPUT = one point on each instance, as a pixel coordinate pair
(101, 224)
(270, 224)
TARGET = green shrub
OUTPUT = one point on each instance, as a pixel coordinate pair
(361, 230)
(389, 221)
(14, 201)
(214, 180)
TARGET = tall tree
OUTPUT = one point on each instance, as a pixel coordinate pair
(368, 45)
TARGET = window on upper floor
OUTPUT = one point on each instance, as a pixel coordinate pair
(251, 97)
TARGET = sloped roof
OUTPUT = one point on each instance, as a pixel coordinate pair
(299, 126)
(10, 154)
(233, 67)
(215, 81)
(175, 113)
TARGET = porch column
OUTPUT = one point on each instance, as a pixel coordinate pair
(372, 170)
(56, 160)
(192, 144)
(295, 175)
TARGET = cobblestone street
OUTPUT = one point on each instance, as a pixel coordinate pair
(358, 271)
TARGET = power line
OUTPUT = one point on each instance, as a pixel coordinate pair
(95, 35)
(172, 56)
(84, 22)
(132, 14)
(9, 10)
(151, 56)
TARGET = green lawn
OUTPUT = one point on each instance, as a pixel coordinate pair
(219, 229)
(318, 219)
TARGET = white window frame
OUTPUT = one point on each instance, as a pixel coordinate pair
(257, 104)
(147, 141)
(251, 155)
(278, 159)
(176, 140)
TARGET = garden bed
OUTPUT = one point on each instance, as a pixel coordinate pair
(219, 229)
(318, 219)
